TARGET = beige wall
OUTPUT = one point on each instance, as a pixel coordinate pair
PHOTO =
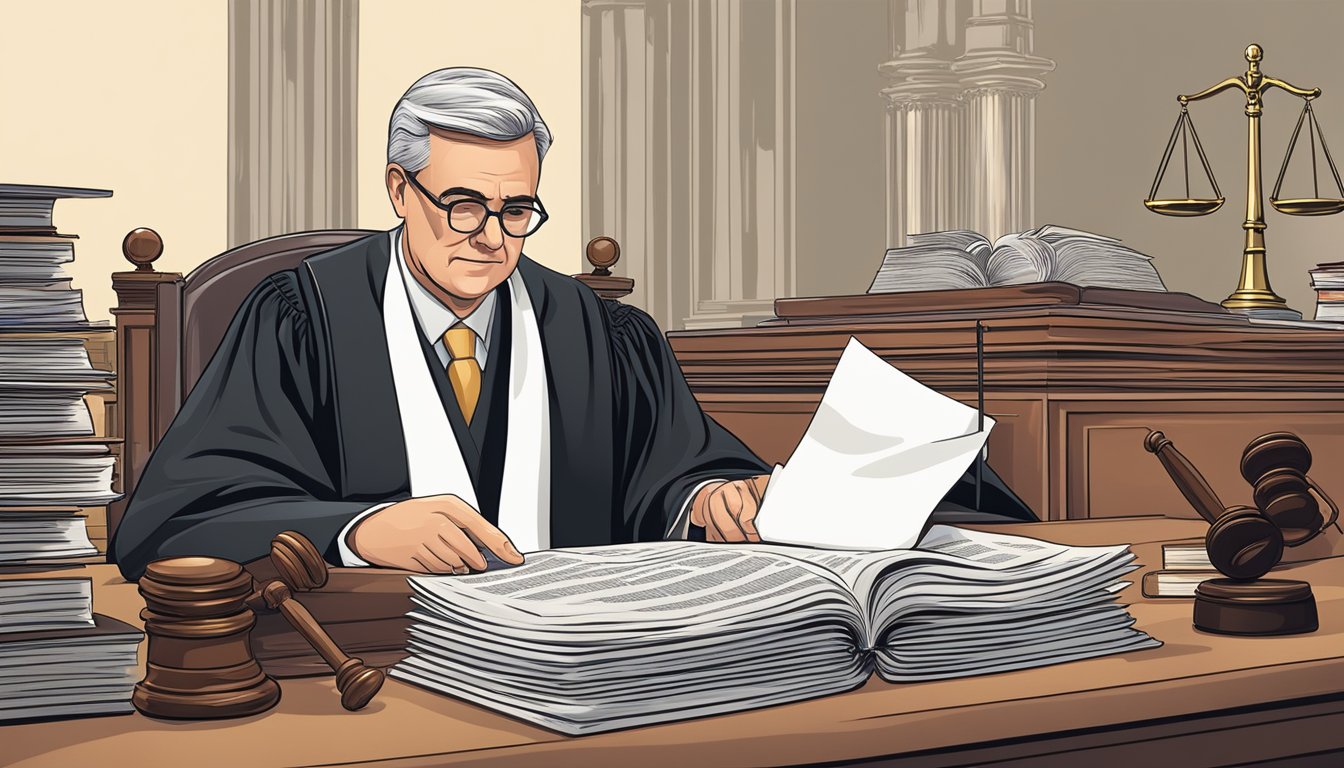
(841, 217)
(536, 43)
(132, 97)
(1105, 115)
(128, 97)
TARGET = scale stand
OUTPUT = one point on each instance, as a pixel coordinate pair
(1253, 295)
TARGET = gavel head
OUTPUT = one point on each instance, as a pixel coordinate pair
(1243, 544)
(1276, 466)
(298, 562)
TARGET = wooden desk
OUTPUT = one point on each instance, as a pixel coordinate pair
(1198, 700)
(1074, 387)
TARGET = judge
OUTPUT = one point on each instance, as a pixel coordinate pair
(429, 397)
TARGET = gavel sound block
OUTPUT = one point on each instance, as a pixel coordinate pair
(199, 612)
(1244, 543)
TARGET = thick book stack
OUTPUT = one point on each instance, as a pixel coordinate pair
(1328, 280)
(1184, 567)
(57, 657)
(51, 464)
(588, 640)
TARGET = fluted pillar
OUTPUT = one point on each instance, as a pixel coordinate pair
(292, 82)
(688, 152)
(924, 133)
(614, 134)
(743, 76)
(961, 119)
(1001, 78)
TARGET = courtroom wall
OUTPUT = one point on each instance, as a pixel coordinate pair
(128, 97)
(841, 216)
(1105, 115)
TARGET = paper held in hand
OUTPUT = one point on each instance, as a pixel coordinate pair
(880, 453)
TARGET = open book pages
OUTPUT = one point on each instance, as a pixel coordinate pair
(879, 454)
(963, 259)
(595, 639)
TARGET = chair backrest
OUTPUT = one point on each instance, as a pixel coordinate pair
(193, 313)
(168, 328)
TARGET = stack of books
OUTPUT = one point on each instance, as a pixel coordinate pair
(57, 657)
(51, 464)
(1328, 280)
(588, 640)
(1184, 567)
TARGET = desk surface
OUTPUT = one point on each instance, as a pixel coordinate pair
(1226, 699)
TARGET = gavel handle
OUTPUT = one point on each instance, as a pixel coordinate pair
(1188, 480)
(357, 682)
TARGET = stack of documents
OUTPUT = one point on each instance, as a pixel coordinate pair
(593, 639)
(56, 473)
(38, 534)
(57, 657)
(43, 380)
(28, 605)
(68, 672)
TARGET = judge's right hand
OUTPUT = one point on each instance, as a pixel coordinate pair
(433, 534)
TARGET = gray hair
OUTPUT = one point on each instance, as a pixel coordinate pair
(474, 101)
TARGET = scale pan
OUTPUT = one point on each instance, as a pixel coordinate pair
(1309, 206)
(1188, 207)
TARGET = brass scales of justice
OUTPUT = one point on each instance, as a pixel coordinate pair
(1253, 295)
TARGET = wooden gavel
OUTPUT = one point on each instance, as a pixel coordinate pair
(1241, 542)
(1245, 542)
(198, 614)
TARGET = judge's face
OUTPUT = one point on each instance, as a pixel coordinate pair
(470, 177)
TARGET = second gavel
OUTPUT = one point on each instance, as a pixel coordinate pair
(1245, 542)
(199, 613)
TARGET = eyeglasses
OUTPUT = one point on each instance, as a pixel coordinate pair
(467, 216)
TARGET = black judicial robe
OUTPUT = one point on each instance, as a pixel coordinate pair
(294, 423)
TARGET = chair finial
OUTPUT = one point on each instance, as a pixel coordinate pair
(142, 247)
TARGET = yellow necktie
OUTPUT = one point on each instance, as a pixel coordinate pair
(464, 373)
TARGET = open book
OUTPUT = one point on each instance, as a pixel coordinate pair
(963, 259)
(595, 639)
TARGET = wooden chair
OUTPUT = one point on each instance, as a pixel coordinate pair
(168, 326)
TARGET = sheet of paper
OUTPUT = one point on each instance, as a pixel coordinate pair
(880, 453)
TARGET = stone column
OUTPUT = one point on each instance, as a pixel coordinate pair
(924, 130)
(292, 81)
(688, 153)
(742, 160)
(1001, 78)
(614, 147)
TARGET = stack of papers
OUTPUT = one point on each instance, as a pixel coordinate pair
(68, 672)
(29, 605)
(37, 534)
(594, 639)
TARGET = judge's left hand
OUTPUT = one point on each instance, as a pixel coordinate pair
(727, 510)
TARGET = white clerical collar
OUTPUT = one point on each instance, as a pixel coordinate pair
(434, 318)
